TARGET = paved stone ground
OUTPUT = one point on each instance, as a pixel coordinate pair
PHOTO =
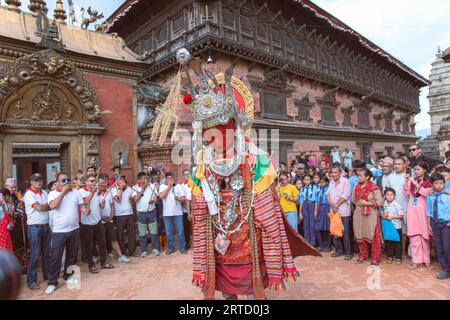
(169, 277)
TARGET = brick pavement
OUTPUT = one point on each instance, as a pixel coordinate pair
(169, 277)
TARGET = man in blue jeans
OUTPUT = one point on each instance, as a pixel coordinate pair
(145, 194)
(39, 233)
(172, 196)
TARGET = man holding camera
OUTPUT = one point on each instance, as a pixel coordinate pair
(91, 227)
(64, 223)
(124, 219)
(172, 198)
(145, 195)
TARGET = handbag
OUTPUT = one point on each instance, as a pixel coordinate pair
(389, 231)
(336, 225)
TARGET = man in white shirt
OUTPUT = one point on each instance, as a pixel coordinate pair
(107, 212)
(335, 156)
(91, 228)
(39, 233)
(184, 188)
(145, 195)
(397, 181)
(124, 217)
(64, 223)
(172, 197)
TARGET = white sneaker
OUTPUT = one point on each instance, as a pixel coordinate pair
(124, 259)
(50, 289)
(155, 252)
(111, 255)
(72, 281)
(144, 254)
(95, 259)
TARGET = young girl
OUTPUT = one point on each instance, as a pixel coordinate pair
(393, 211)
(307, 200)
(6, 223)
(418, 230)
(322, 221)
(299, 184)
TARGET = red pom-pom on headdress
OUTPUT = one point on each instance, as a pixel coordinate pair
(187, 99)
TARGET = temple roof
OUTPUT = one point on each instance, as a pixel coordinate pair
(22, 26)
(130, 5)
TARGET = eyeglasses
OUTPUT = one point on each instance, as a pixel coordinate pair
(67, 180)
(413, 149)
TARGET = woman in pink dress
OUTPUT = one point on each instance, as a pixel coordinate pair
(418, 225)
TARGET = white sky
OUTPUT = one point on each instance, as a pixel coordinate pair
(410, 30)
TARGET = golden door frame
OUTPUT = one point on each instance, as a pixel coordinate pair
(45, 99)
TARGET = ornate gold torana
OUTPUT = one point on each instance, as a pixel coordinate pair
(59, 12)
(51, 70)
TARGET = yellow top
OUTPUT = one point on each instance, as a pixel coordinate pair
(292, 192)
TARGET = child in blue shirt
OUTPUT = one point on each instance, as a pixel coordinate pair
(438, 210)
(322, 221)
(307, 201)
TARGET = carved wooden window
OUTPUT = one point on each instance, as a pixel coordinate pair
(177, 25)
(363, 119)
(301, 51)
(348, 117)
(246, 30)
(276, 42)
(304, 113)
(147, 43)
(229, 23)
(377, 122)
(208, 12)
(405, 124)
(263, 36)
(398, 124)
(311, 55)
(161, 35)
(290, 48)
(388, 124)
(323, 61)
(328, 114)
(274, 104)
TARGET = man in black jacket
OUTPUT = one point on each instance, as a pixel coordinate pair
(416, 156)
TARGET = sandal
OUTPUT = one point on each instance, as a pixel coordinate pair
(398, 261)
(93, 269)
(359, 261)
(429, 266)
(413, 266)
(390, 260)
(107, 266)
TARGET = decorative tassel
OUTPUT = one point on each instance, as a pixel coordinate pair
(258, 287)
(167, 114)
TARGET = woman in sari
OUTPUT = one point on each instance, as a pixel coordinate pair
(418, 227)
(6, 223)
(366, 222)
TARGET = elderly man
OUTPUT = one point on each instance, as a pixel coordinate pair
(338, 196)
(384, 181)
(39, 233)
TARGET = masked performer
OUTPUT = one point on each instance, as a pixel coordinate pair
(241, 243)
